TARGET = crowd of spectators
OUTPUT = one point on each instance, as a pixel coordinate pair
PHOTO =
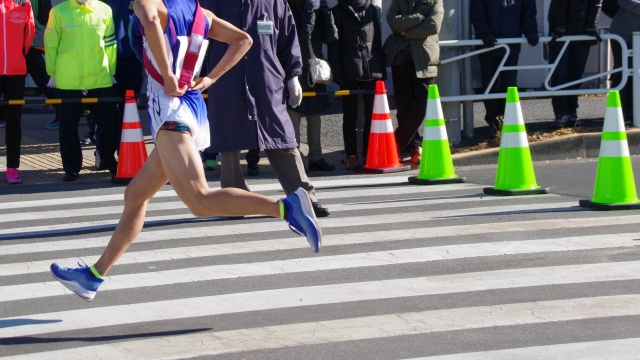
(81, 48)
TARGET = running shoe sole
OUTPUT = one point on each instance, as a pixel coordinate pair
(307, 209)
(83, 293)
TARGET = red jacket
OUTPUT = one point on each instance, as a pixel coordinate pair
(17, 30)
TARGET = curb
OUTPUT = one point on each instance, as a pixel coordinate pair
(585, 146)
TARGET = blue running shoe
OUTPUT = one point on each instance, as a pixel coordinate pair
(79, 280)
(301, 218)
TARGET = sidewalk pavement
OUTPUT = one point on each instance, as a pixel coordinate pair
(41, 163)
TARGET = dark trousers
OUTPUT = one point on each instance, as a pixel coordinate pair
(105, 114)
(570, 68)
(128, 77)
(37, 68)
(626, 94)
(350, 117)
(38, 71)
(488, 65)
(411, 102)
(253, 156)
(12, 88)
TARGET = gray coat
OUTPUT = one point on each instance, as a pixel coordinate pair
(247, 105)
(627, 19)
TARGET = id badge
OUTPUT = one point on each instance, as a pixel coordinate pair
(265, 27)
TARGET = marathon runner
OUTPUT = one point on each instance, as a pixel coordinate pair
(170, 36)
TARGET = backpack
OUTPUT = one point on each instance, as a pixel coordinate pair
(610, 7)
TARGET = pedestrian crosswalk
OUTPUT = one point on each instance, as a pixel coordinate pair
(405, 272)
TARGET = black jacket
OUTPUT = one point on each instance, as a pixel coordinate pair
(358, 54)
(504, 19)
(314, 27)
(575, 17)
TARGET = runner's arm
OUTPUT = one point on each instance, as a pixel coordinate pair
(147, 12)
(239, 43)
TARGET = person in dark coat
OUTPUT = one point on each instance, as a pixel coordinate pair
(311, 19)
(570, 17)
(128, 67)
(494, 19)
(247, 107)
(625, 22)
(413, 53)
(357, 61)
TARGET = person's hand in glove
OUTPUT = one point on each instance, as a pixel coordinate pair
(489, 41)
(533, 38)
(295, 92)
(51, 83)
(594, 33)
(113, 80)
(557, 34)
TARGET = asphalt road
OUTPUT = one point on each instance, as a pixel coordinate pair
(405, 272)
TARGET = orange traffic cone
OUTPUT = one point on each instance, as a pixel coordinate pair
(382, 154)
(133, 152)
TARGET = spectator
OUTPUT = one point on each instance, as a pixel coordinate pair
(247, 104)
(357, 61)
(310, 19)
(35, 58)
(128, 67)
(570, 17)
(624, 23)
(493, 19)
(81, 61)
(17, 30)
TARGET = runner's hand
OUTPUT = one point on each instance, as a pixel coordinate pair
(202, 84)
(171, 86)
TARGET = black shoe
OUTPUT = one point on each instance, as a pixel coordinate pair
(320, 210)
(321, 165)
(495, 126)
(70, 177)
(560, 122)
(253, 169)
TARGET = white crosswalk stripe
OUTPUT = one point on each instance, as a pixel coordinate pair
(391, 253)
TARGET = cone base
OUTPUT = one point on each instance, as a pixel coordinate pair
(598, 206)
(416, 180)
(494, 191)
(117, 180)
(365, 170)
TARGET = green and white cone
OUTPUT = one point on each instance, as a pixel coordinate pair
(615, 187)
(436, 166)
(515, 174)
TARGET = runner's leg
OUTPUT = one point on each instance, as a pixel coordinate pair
(144, 185)
(176, 159)
(181, 163)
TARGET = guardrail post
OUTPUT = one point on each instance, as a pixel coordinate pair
(467, 77)
(448, 79)
(635, 72)
(604, 60)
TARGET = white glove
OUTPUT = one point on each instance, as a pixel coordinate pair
(295, 92)
(113, 80)
(52, 83)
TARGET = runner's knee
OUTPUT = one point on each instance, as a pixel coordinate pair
(135, 196)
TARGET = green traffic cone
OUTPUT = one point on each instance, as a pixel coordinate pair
(436, 166)
(615, 187)
(515, 174)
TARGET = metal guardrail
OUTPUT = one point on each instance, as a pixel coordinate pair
(501, 44)
(141, 97)
(551, 91)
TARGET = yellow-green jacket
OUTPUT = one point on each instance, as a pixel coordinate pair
(80, 45)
